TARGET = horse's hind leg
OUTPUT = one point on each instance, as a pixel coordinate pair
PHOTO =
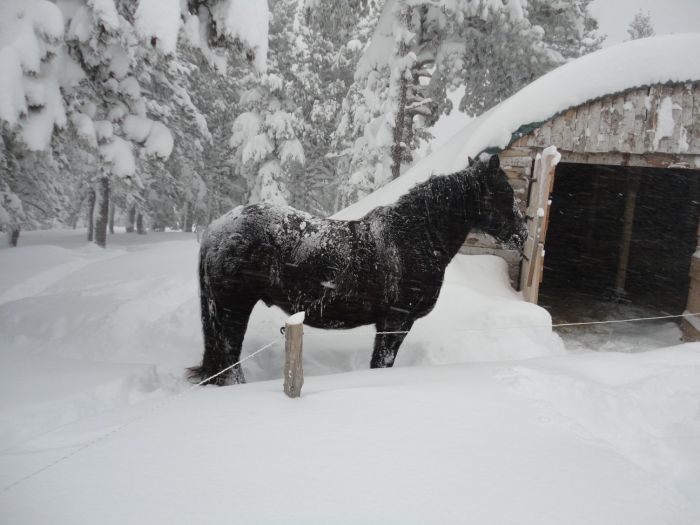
(224, 327)
(386, 345)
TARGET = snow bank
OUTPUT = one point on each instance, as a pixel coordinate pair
(601, 397)
(548, 442)
(48, 401)
(80, 327)
(610, 70)
(478, 317)
(29, 272)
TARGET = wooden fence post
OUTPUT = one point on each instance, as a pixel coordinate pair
(293, 342)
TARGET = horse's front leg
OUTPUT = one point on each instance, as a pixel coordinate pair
(390, 334)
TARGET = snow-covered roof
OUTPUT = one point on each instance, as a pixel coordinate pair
(645, 62)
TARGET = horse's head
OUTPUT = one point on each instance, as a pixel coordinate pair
(500, 216)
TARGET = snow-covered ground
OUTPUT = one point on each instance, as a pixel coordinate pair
(486, 418)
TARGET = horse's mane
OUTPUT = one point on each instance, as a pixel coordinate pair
(462, 188)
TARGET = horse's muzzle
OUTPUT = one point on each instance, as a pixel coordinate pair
(517, 240)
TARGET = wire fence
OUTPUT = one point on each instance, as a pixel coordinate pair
(131, 421)
(503, 327)
(272, 343)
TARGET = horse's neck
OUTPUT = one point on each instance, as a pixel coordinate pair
(440, 210)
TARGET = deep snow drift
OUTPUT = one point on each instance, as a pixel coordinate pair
(510, 429)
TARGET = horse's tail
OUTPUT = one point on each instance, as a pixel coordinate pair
(208, 314)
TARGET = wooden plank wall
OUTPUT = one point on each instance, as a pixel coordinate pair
(657, 119)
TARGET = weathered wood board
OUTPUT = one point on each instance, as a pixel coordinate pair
(537, 217)
(661, 119)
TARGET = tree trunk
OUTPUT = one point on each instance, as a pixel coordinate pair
(111, 216)
(399, 124)
(102, 212)
(398, 144)
(187, 219)
(14, 236)
(131, 219)
(211, 192)
(90, 214)
(139, 224)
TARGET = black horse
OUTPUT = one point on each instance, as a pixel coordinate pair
(385, 269)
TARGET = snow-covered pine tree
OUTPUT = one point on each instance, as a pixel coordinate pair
(503, 53)
(640, 26)
(102, 39)
(569, 27)
(221, 41)
(266, 132)
(193, 86)
(11, 210)
(341, 22)
(318, 64)
(167, 181)
(222, 186)
(112, 60)
(31, 108)
(400, 83)
(265, 138)
(421, 50)
(216, 32)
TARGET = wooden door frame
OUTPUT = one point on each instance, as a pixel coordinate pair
(537, 217)
(689, 326)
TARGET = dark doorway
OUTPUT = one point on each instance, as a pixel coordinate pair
(587, 229)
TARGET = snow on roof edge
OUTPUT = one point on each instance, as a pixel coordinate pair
(630, 65)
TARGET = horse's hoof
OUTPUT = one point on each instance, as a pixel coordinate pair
(237, 377)
(197, 375)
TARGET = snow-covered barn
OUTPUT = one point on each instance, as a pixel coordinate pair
(617, 208)
(618, 215)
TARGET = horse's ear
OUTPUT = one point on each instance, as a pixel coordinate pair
(494, 163)
(470, 162)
